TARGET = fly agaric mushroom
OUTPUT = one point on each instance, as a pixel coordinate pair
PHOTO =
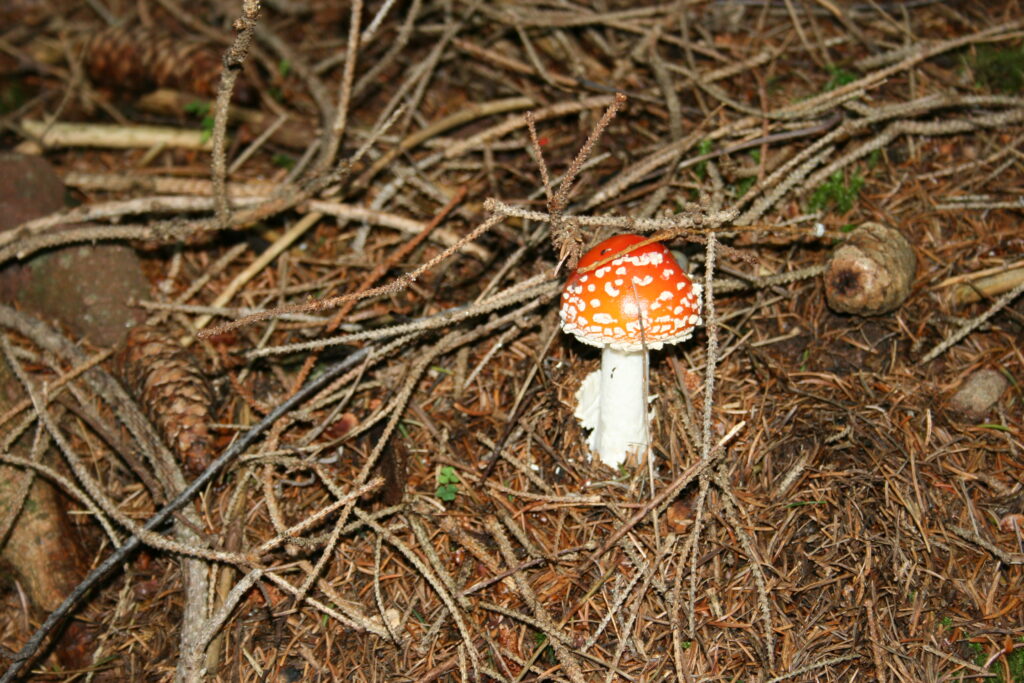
(637, 300)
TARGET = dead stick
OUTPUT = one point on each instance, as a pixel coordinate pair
(377, 273)
(118, 557)
(672, 489)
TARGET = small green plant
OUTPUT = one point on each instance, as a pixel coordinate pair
(741, 186)
(998, 68)
(549, 652)
(201, 110)
(947, 622)
(744, 184)
(13, 95)
(284, 67)
(703, 147)
(447, 484)
(874, 158)
(1014, 663)
(283, 161)
(838, 77)
(838, 192)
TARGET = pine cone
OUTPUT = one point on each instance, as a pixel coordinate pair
(138, 60)
(166, 380)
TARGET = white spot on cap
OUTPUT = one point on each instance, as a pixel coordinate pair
(609, 290)
(621, 270)
(603, 318)
(666, 295)
(650, 258)
(601, 272)
(591, 287)
(643, 281)
(630, 309)
(596, 303)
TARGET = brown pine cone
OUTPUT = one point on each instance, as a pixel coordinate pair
(169, 385)
(138, 60)
(871, 273)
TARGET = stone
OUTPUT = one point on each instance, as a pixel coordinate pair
(86, 288)
(979, 392)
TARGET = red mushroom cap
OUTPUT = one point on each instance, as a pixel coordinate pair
(642, 298)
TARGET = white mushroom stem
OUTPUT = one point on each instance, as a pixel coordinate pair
(611, 402)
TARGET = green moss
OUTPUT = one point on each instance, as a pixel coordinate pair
(979, 653)
(1015, 660)
(13, 95)
(998, 68)
(874, 158)
(744, 184)
(837, 192)
(283, 161)
(1014, 663)
(701, 168)
(549, 652)
(838, 77)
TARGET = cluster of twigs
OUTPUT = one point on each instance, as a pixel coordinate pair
(641, 578)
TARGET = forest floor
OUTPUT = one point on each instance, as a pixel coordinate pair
(349, 285)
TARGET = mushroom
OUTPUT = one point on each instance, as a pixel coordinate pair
(635, 299)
